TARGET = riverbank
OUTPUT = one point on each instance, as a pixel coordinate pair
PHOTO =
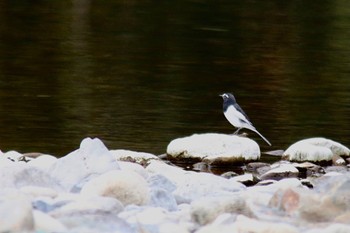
(94, 189)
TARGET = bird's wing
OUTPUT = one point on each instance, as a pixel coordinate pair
(239, 109)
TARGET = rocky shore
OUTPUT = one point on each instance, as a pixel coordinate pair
(94, 189)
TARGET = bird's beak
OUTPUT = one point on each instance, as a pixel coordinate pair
(221, 95)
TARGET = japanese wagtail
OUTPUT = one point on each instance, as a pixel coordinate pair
(236, 116)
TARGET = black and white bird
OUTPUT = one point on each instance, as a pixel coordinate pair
(236, 116)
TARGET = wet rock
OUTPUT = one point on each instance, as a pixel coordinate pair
(126, 186)
(280, 171)
(214, 149)
(338, 161)
(315, 149)
(254, 166)
(91, 159)
(307, 169)
(205, 210)
(247, 179)
(15, 212)
(229, 174)
(133, 156)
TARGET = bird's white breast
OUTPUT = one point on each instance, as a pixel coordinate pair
(235, 117)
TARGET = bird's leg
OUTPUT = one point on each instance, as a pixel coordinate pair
(236, 132)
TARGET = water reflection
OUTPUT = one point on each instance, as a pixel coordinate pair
(138, 74)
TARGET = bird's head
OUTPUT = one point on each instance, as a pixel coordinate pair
(228, 96)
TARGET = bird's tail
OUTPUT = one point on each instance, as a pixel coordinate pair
(256, 131)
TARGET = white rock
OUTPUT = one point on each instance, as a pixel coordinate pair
(133, 156)
(315, 149)
(214, 148)
(43, 162)
(46, 223)
(133, 167)
(126, 186)
(18, 175)
(13, 155)
(4, 162)
(15, 212)
(192, 185)
(207, 209)
(332, 228)
(91, 159)
(244, 224)
(86, 204)
(35, 191)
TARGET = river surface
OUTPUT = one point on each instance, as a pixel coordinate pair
(137, 74)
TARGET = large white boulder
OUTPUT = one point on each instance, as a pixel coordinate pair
(315, 149)
(91, 159)
(214, 148)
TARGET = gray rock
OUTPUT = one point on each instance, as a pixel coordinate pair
(280, 171)
(214, 148)
(163, 198)
(91, 159)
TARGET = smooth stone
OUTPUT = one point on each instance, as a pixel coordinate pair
(126, 186)
(129, 166)
(315, 149)
(92, 205)
(15, 212)
(162, 198)
(337, 169)
(12, 155)
(331, 228)
(280, 171)
(45, 223)
(87, 222)
(160, 181)
(133, 156)
(192, 185)
(43, 162)
(207, 209)
(246, 224)
(91, 159)
(214, 148)
(36, 192)
(19, 175)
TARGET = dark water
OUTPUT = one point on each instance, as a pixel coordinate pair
(138, 74)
